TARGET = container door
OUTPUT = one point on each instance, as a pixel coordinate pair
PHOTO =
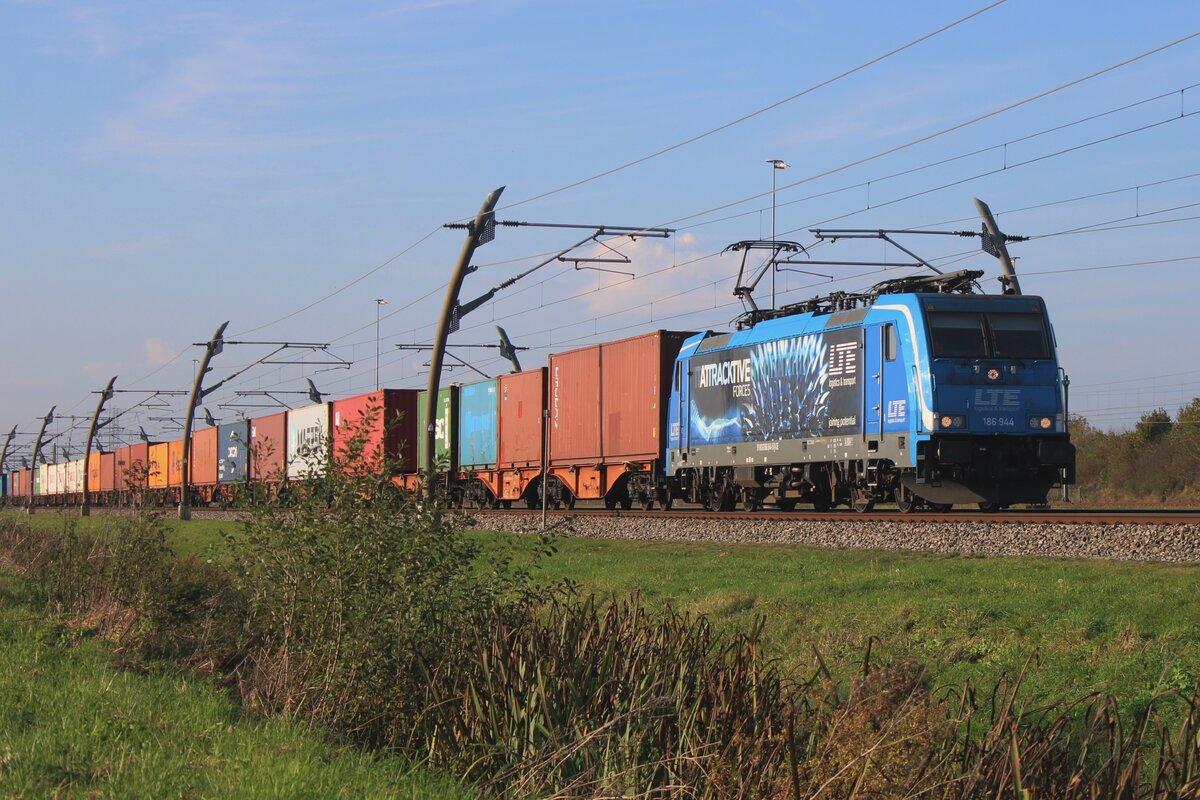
(872, 381)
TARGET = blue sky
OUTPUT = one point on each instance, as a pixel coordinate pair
(171, 166)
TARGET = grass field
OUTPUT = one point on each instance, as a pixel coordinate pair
(1123, 628)
(1128, 629)
(71, 725)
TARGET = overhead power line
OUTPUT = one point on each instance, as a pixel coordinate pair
(753, 114)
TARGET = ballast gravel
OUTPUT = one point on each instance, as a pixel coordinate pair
(1178, 544)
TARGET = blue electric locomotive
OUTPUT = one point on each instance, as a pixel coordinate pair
(918, 392)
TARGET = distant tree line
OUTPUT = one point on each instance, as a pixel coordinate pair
(1157, 461)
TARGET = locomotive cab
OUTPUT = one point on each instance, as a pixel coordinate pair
(998, 433)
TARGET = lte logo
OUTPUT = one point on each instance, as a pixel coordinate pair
(997, 398)
(843, 359)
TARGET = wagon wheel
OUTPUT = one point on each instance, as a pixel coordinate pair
(610, 501)
(646, 502)
(991, 508)
(568, 501)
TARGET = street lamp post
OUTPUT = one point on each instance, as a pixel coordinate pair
(776, 164)
(379, 303)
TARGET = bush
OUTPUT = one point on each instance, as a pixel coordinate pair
(355, 589)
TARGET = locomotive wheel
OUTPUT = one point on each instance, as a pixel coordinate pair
(752, 500)
(862, 501)
(906, 501)
(940, 508)
(786, 504)
(991, 508)
(719, 498)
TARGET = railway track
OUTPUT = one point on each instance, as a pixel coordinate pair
(1053, 516)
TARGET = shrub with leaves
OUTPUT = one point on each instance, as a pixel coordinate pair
(354, 588)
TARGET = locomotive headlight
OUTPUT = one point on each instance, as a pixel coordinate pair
(1042, 423)
(952, 421)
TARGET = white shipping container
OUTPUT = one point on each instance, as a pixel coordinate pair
(75, 476)
(307, 440)
(70, 475)
(58, 478)
(43, 484)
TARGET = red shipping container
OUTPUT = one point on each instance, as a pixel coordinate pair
(392, 425)
(202, 461)
(157, 464)
(635, 380)
(268, 447)
(574, 397)
(108, 472)
(607, 401)
(132, 461)
(522, 400)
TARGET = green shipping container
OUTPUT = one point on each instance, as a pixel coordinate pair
(445, 450)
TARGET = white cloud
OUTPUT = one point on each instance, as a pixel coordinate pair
(206, 103)
(674, 275)
(157, 352)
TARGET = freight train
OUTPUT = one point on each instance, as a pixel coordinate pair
(919, 392)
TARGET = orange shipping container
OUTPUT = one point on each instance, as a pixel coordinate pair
(108, 472)
(175, 462)
(157, 459)
(203, 458)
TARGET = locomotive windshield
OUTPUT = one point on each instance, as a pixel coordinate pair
(971, 334)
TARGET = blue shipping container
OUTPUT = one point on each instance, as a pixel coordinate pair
(233, 452)
(478, 425)
(4, 484)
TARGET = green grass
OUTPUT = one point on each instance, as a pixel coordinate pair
(1122, 628)
(71, 725)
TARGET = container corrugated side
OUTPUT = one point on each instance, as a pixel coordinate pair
(157, 460)
(384, 421)
(202, 461)
(175, 463)
(108, 472)
(73, 483)
(233, 452)
(574, 398)
(307, 440)
(478, 425)
(522, 433)
(445, 441)
(268, 447)
(635, 377)
(133, 467)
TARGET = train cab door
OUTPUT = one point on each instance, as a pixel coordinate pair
(893, 393)
(885, 384)
(872, 412)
